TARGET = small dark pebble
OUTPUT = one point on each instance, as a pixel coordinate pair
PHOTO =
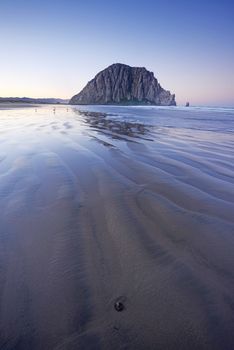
(119, 306)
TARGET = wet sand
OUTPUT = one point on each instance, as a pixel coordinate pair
(94, 210)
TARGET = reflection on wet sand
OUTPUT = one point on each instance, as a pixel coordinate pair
(114, 234)
(116, 129)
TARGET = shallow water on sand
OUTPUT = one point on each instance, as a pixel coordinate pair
(100, 204)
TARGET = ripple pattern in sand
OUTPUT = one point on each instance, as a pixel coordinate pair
(94, 210)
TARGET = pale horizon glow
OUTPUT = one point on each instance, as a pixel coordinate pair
(52, 49)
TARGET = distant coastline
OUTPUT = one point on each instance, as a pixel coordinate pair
(33, 100)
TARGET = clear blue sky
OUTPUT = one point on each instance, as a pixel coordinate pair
(52, 48)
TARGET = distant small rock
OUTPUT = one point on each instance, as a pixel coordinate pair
(187, 104)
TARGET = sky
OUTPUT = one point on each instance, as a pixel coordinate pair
(53, 48)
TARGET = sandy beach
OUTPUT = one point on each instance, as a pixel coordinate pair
(100, 205)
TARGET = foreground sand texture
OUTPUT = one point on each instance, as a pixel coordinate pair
(95, 209)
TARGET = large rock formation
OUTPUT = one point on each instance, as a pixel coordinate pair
(124, 85)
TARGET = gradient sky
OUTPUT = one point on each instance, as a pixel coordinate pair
(52, 48)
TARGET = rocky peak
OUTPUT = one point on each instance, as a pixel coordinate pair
(124, 85)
